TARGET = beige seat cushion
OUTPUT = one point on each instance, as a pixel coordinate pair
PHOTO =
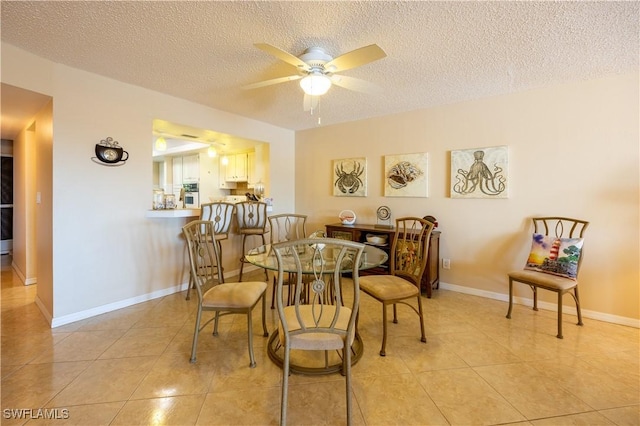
(315, 340)
(548, 281)
(387, 287)
(234, 295)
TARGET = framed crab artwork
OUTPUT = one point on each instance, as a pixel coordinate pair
(350, 177)
(405, 175)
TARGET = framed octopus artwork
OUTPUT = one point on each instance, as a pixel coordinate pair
(480, 173)
(405, 175)
(350, 177)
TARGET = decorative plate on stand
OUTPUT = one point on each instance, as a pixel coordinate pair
(384, 217)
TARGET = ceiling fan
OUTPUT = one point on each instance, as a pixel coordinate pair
(318, 71)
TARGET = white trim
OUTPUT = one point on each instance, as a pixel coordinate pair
(43, 309)
(77, 316)
(600, 316)
(25, 280)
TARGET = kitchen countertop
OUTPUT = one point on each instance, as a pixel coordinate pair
(171, 213)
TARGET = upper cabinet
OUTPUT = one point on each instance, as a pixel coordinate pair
(191, 169)
(236, 169)
(222, 181)
(177, 171)
(186, 169)
(251, 169)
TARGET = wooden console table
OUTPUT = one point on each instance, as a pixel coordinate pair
(357, 232)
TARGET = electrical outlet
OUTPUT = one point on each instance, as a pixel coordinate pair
(446, 263)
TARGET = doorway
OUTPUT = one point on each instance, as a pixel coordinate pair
(6, 197)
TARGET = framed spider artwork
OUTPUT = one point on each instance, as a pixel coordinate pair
(406, 175)
(350, 177)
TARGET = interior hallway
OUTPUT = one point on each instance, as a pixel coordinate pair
(132, 367)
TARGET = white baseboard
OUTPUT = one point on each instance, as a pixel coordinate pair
(77, 316)
(600, 316)
(44, 310)
(20, 274)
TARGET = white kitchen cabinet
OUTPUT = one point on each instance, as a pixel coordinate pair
(177, 171)
(222, 177)
(236, 168)
(191, 168)
(251, 170)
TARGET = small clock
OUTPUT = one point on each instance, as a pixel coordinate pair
(383, 213)
(110, 154)
(108, 151)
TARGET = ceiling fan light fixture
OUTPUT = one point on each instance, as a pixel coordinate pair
(161, 144)
(315, 84)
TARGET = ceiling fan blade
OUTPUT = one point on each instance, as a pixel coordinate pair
(272, 81)
(355, 58)
(310, 102)
(283, 56)
(354, 84)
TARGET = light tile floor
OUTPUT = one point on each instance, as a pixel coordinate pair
(132, 367)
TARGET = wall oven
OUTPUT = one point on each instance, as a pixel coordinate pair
(191, 196)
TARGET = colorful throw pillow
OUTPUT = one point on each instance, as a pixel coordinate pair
(557, 256)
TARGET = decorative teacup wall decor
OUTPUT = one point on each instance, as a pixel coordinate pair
(110, 153)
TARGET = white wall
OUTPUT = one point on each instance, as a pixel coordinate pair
(573, 151)
(583, 136)
(105, 252)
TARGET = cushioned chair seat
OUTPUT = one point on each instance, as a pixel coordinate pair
(552, 282)
(388, 287)
(315, 340)
(234, 295)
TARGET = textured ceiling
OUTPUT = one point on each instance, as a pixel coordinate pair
(438, 52)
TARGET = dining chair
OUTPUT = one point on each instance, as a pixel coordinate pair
(221, 214)
(251, 219)
(554, 262)
(286, 227)
(409, 251)
(213, 293)
(323, 321)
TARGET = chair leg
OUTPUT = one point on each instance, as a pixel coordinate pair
(188, 288)
(194, 345)
(384, 329)
(535, 298)
(559, 336)
(423, 339)
(215, 323)
(264, 315)
(252, 358)
(346, 367)
(219, 244)
(273, 293)
(242, 260)
(285, 386)
(266, 274)
(395, 314)
(577, 300)
(510, 298)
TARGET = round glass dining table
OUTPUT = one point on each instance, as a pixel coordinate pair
(264, 257)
